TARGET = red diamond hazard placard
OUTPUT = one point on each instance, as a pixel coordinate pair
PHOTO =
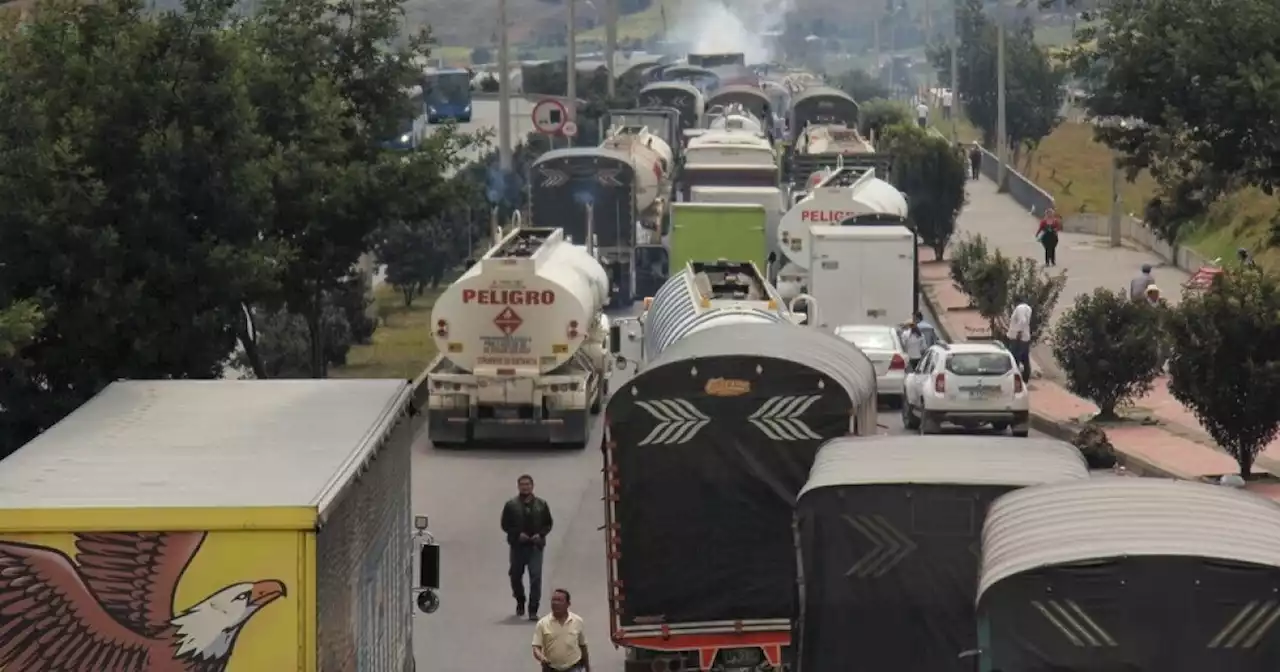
(508, 321)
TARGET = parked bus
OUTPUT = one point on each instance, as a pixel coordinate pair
(447, 93)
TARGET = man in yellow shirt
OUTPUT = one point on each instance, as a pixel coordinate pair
(559, 642)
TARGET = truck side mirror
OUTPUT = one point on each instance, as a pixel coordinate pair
(615, 338)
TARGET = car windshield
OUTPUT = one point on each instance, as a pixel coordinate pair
(980, 364)
(867, 339)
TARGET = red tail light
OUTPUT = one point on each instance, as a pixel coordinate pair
(442, 328)
(898, 363)
(940, 384)
(1017, 383)
(573, 329)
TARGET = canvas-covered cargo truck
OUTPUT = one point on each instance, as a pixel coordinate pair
(705, 450)
(242, 526)
(887, 531)
(1117, 574)
(710, 231)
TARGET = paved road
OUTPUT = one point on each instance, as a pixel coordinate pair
(484, 116)
(462, 491)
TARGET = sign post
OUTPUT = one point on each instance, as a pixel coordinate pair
(550, 116)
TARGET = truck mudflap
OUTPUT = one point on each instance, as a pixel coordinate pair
(729, 645)
(459, 426)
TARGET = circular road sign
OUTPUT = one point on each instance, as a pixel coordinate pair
(550, 116)
(570, 129)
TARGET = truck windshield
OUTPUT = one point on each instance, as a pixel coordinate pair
(448, 88)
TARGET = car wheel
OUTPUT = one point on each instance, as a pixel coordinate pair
(929, 423)
(999, 426)
(909, 419)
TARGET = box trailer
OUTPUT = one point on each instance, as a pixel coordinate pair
(236, 526)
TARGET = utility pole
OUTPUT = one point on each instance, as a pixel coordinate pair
(955, 70)
(1113, 222)
(611, 44)
(1002, 141)
(571, 73)
(504, 91)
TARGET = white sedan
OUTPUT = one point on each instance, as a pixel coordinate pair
(884, 347)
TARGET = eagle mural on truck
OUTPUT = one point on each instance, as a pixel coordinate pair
(111, 609)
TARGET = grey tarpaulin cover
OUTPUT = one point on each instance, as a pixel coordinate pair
(888, 529)
(1119, 574)
(712, 441)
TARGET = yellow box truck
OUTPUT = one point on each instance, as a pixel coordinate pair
(212, 526)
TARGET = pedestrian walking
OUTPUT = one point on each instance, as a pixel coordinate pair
(922, 114)
(975, 161)
(947, 97)
(559, 640)
(526, 519)
(927, 330)
(1019, 337)
(1047, 234)
(1138, 286)
(915, 346)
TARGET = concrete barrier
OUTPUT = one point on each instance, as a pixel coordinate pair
(1022, 190)
(1137, 232)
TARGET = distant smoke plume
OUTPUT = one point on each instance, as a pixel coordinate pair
(712, 26)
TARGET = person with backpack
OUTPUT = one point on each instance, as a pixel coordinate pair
(1047, 234)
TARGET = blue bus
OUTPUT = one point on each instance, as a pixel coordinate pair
(447, 95)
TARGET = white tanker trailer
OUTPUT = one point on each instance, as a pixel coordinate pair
(651, 158)
(701, 296)
(842, 196)
(523, 341)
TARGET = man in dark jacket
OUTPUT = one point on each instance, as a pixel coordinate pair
(527, 521)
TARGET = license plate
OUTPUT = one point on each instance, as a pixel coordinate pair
(981, 392)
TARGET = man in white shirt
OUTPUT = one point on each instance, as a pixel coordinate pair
(1019, 336)
(559, 640)
(946, 104)
(922, 114)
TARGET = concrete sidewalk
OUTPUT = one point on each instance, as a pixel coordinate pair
(1161, 437)
(1088, 261)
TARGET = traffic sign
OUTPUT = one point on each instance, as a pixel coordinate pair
(570, 129)
(550, 116)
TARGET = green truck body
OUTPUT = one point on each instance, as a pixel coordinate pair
(710, 231)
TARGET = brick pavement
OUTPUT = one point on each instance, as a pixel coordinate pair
(1164, 437)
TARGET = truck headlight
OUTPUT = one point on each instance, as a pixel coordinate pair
(405, 137)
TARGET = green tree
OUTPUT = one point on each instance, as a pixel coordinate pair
(932, 174)
(878, 114)
(1033, 83)
(407, 251)
(999, 281)
(332, 85)
(134, 185)
(1109, 347)
(1225, 366)
(1205, 106)
(861, 86)
(19, 323)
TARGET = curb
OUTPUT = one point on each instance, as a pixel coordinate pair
(1054, 428)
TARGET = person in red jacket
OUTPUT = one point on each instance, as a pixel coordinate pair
(1047, 234)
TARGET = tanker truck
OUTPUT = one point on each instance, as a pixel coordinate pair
(705, 451)
(619, 192)
(842, 196)
(523, 338)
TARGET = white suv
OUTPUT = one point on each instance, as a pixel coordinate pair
(966, 384)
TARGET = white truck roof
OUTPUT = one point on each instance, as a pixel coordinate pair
(206, 443)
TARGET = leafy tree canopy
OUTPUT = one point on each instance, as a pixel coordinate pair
(1033, 82)
(861, 86)
(1201, 82)
(19, 322)
(932, 174)
(1225, 366)
(878, 114)
(1109, 347)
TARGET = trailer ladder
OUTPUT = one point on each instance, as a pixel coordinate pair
(523, 243)
(729, 281)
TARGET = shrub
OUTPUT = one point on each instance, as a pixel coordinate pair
(1000, 281)
(1225, 366)
(1109, 348)
(969, 254)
